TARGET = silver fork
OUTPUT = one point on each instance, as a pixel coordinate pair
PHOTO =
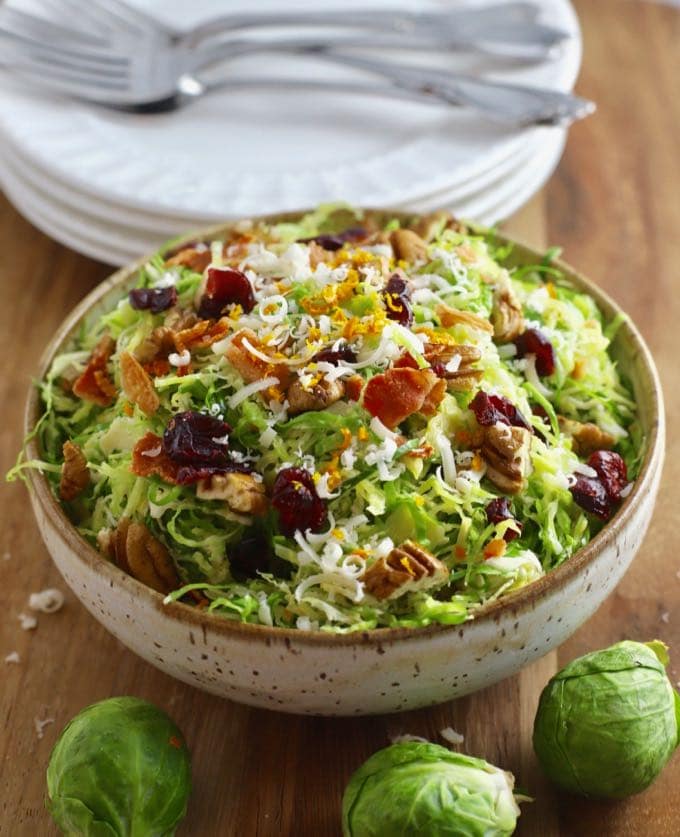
(499, 28)
(160, 75)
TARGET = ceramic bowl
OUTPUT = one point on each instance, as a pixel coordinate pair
(384, 670)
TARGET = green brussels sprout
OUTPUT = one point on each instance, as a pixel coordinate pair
(120, 768)
(608, 722)
(425, 790)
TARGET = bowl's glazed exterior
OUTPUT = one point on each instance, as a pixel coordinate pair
(385, 670)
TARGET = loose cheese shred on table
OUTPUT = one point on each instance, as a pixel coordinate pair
(46, 601)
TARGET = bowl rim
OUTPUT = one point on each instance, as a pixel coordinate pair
(526, 596)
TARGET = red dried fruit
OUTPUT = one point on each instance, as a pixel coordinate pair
(335, 355)
(612, 471)
(492, 409)
(396, 296)
(249, 556)
(499, 510)
(534, 342)
(592, 496)
(153, 299)
(335, 242)
(295, 499)
(225, 286)
(196, 439)
(394, 395)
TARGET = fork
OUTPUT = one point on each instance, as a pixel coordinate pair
(87, 67)
(500, 28)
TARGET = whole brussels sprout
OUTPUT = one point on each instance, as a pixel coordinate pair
(120, 768)
(608, 722)
(424, 790)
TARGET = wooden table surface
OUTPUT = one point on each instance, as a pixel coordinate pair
(614, 204)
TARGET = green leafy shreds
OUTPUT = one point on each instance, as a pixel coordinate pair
(413, 501)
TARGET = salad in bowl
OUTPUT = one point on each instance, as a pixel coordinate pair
(340, 422)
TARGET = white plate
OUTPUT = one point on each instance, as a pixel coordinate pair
(234, 154)
(153, 229)
(119, 245)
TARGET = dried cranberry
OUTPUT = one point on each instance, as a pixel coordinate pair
(153, 299)
(592, 496)
(250, 556)
(225, 286)
(335, 355)
(499, 510)
(295, 499)
(492, 409)
(335, 242)
(612, 471)
(396, 296)
(534, 342)
(197, 440)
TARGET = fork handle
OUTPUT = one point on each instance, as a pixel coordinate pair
(515, 104)
(476, 23)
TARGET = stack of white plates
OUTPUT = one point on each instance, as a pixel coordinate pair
(114, 185)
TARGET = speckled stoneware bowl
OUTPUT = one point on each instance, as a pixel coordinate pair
(385, 670)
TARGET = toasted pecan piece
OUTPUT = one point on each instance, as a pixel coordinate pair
(95, 383)
(506, 452)
(137, 385)
(506, 315)
(429, 226)
(138, 553)
(586, 436)
(157, 345)
(407, 567)
(148, 559)
(408, 245)
(462, 378)
(452, 316)
(318, 396)
(241, 492)
(195, 258)
(75, 476)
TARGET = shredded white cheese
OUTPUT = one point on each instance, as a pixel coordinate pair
(46, 601)
(449, 734)
(28, 623)
(181, 360)
(13, 657)
(40, 725)
(448, 461)
(251, 389)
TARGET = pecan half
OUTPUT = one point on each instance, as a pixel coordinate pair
(75, 476)
(452, 316)
(241, 492)
(586, 436)
(318, 396)
(407, 567)
(506, 315)
(408, 245)
(429, 226)
(95, 383)
(195, 258)
(136, 551)
(178, 319)
(506, 451)
(157, 345)
(462, 376)
(137, 385)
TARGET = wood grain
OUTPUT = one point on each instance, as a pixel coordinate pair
(614, 206)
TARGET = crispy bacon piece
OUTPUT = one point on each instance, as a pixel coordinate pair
(137, 384)
(201, 335)
(250, 367)
(398, 393)
(95, 384)
(149, 458)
